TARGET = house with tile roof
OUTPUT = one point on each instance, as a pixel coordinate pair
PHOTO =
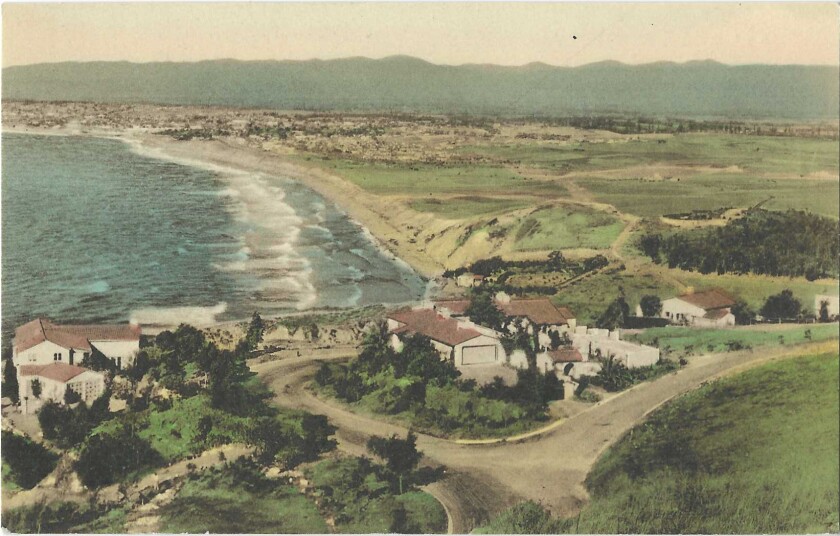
(708, 308)
(460, 341)
(55, 379)
(41, 342)
(534, 311)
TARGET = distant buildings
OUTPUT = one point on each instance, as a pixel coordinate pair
(709, 308)
(467, 344)
(49, 355)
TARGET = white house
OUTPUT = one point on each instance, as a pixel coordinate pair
(54, 380)
(469, 280)
(608, 343)
(709, 308)
(40, 342)
(832, 304)
(463, 342)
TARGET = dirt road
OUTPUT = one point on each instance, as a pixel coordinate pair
(484, 480)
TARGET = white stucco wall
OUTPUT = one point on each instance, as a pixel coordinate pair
(42, 354)
(675, 309)
(126, 350)
(481, 340)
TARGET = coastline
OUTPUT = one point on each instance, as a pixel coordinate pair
(361, 207)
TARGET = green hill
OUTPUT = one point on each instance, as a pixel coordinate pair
(401, 83)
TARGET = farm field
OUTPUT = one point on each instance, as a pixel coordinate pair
(735, 456)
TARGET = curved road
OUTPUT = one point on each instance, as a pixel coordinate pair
(482, 480)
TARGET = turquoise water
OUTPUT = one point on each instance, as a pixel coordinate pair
(93, 230)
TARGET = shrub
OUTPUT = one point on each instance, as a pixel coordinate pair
(106, 458)
(28, 461)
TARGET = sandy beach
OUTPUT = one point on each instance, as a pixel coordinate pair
(365, 209)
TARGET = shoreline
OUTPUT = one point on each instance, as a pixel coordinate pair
(226, 157)
(359, 206)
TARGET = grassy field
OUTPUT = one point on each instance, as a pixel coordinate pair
(753, 154)
(679, 340)
(424, 179)
(589, 297)
(225, 501)
(647, 197)
(563, 227)
(755, 289)
(467, 206)
(755, 453)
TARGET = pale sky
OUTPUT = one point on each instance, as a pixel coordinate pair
(446, 33)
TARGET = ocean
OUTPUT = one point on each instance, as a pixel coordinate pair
(96, 230)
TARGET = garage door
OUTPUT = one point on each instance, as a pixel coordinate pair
(473, 355)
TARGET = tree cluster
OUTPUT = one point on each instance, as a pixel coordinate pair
(68, 427)
(790, 243)
(28, 462)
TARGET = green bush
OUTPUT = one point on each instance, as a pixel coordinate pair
(28, 462)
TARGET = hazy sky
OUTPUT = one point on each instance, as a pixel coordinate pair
(451, 33)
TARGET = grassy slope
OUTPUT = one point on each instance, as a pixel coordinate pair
(215, 505)
(467, 206)
(755, 453)
(714, 340)
(567, 227)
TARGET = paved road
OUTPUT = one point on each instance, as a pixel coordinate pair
(484, 480)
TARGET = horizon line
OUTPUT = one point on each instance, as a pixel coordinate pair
(423, 60)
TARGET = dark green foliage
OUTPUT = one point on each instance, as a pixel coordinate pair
(613, 376)
(99, 362)
(67, 427)
(615, 316)
(71, 396)
(781, 306)
(29, 462)
(744, 315)
(419, 358)
(290, 442)
(106, 458)
(823, 314)
(524, 518)
(482, 310)
(651, 305)
(400, 455)
(11, 388)
(140, 367)
(35, 387)
(52, 518)
(791, 243)
(256, 330)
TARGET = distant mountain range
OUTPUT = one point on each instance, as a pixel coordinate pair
(401, 83)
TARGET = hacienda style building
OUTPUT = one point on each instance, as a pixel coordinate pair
(48, 358)
(709, 308)
(467, 344)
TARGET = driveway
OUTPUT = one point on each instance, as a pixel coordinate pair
(483, 480)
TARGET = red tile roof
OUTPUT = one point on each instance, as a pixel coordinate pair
(72, 336)
(715, 298)
(433, 325)
(565, 355)
(716, 314)
(60, 372)
(456, 307)
(537, 310)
